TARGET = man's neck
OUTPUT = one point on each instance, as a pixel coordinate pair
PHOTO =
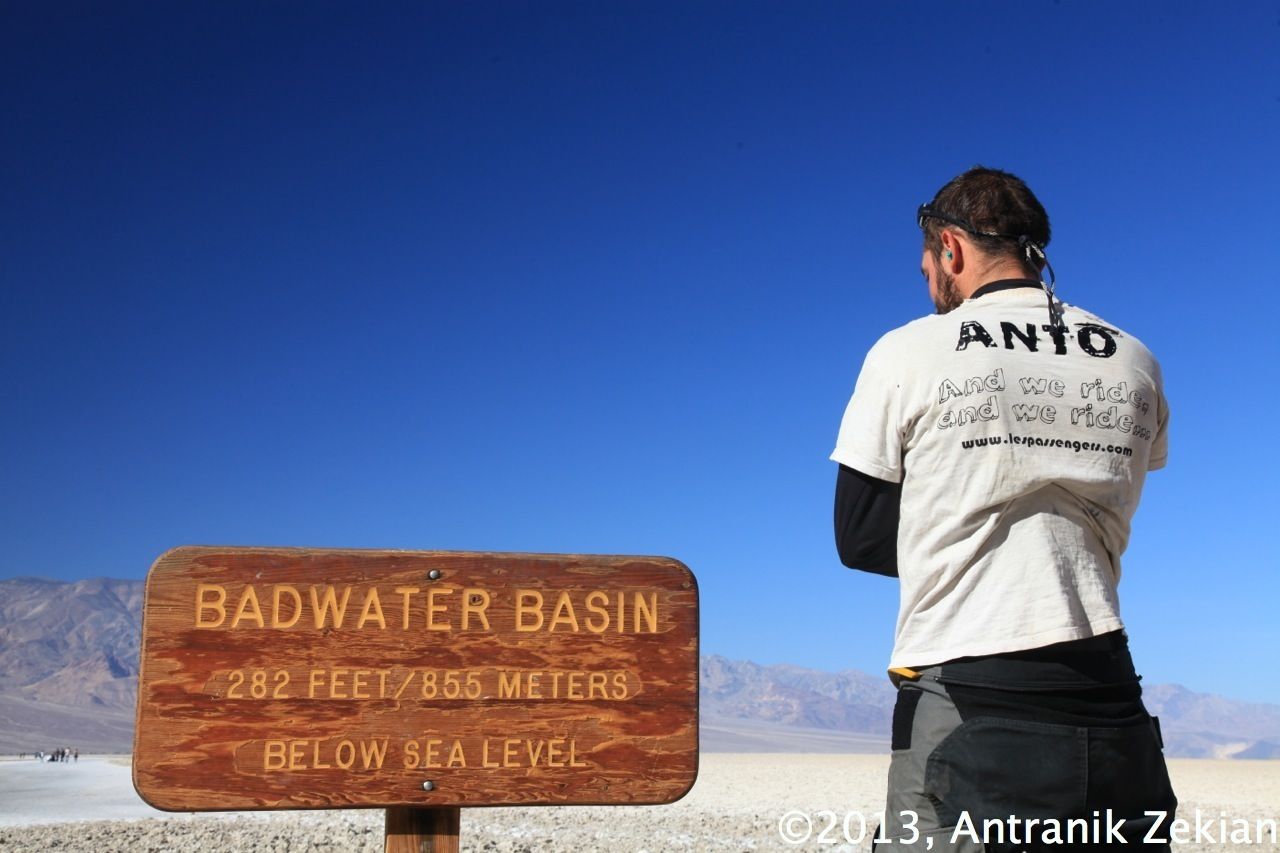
(996, 272)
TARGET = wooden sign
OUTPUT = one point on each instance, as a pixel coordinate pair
(289, 678)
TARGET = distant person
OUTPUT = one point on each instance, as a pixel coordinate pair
(991, 457)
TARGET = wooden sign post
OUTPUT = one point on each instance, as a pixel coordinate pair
(415, 681)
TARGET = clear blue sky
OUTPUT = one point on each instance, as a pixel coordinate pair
(599, 278)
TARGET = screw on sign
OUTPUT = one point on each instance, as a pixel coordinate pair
(415, 681)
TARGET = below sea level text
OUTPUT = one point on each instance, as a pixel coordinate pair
(426, 753)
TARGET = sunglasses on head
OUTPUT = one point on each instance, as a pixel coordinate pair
(928, 211)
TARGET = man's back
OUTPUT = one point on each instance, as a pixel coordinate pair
(1026, 446)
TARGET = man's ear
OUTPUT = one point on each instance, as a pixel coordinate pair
(953, 246)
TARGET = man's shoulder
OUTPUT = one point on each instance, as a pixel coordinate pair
(1093, 317)
(912, 333)
(909, 340)
(1079, 317)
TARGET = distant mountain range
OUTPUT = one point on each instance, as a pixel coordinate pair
(68, 663)
(69, 676)
(793, 706)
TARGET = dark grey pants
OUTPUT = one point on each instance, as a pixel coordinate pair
(971, 771)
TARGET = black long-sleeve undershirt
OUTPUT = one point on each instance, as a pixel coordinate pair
(866, 519)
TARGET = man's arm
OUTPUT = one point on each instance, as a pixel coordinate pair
(866, 519)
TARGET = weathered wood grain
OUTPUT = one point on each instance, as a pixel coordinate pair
(247, 701)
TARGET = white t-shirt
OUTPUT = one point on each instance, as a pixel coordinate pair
(1021, 455)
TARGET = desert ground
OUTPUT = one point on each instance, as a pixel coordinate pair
(738, 803)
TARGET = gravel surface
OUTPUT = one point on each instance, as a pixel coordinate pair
(736, 805)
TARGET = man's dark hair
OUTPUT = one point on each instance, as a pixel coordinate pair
(993, 201)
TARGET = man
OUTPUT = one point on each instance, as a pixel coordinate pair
(992, 457)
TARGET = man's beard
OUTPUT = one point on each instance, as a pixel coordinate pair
(947, 298)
